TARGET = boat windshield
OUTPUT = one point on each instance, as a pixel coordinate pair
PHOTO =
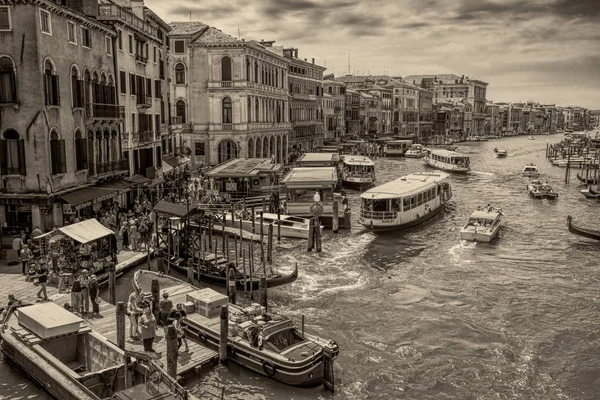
(358, 169)
(530, 169)
(283, 339)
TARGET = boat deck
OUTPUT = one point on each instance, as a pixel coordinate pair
(194, 361)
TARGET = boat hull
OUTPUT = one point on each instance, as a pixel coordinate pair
(500, 155)
(531, 174)
(357, 183)
(586, 193)
(446, 167)
(484, 237)
(294, 233)
(372, 224)
(584, 232)
(411, 155)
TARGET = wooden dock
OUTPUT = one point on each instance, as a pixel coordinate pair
(194, 361)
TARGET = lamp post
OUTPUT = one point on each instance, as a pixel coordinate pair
(316, 210)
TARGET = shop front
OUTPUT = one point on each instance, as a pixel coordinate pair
(85, 203)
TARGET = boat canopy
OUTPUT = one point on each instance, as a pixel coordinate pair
(358, 160)
(319, 158)
(311, 177)
(407, 185)
(447, 153)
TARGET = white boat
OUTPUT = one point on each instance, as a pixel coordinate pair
(448, 161)
(534, 188)
(357, 171)
(415, 151)
(482, 226)
(551, 194)
(500, 153)
(291, 226)
(406, 201)
(531, 171)
(396, 148)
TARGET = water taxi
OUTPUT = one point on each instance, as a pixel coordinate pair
(290, 226)
(531, 171)
(415, 151)
(406, 201)
(357, 171)
(534, 188)
(500, 153)
(266, 343)
(482, 226)
(73, 362)
(396, 148)
(448, 161)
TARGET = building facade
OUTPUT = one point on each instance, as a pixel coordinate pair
(338, 91)
(59, 112)
(352, 115)
(425, 113)
(306, 97)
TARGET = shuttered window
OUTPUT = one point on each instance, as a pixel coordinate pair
(58, 155)
(12, 154)
(81, 159)
(52, 89)
(123, 82)
(8, 87)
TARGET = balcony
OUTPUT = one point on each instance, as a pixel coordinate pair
(337, 109)
(109, 167)
(111, 12)
(106, 111)
(306, 123)
(302, 96)
(144, 101)
(226, 84)
(143, 137)
(141, 59)
(252, 126)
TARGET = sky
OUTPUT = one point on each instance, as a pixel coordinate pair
(542, 50)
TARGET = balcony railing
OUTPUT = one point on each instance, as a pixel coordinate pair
(109, 167)
(143, 137)
(106, 111)
(248, 126)
(112, 11)
(302, 96)
(176, 120)
(226, 84)
(141, 59)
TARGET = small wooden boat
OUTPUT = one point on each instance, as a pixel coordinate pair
(531, 138)
(213, 270)
(290, 226)
(268, 344)
(587, 181)
(72, 362)
(531, 171)
(585, 232)
(482, 226)
(589, 193)
(500, 153)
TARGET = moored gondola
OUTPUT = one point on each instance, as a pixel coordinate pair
(587, 181)
(585, 232)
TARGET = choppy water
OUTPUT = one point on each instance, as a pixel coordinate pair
(418, 314)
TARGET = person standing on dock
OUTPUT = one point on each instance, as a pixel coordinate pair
(148, 327)
(134, 312)
(26, 256)
(85, 294)
(164, 306)
(93, 289)
(42, 277)
(177, 317)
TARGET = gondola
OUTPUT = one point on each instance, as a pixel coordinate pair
(588, 233)
(594, 192)
(588, 181)
(216, 276)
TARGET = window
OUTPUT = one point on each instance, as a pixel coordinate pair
(108, 42)
(180, 110)
(86, 38)
(52, 87)
(157, 89)
(45, 22)
(12, 154)
(227, 111)
(71, 36)
(130, 44)
(154, 52)
(149, 87)
(81, 159)
(133, 123)
(179, 74)
(123, 82)
(226, 69)
(199, 149)
(8, 87)
(179, 47)
(120, 39)
(57, 154)
(5, 22)
(76, 89)
(132, 90)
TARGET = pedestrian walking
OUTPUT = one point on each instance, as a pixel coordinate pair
(85, 294)
(76, 300)
(148, 327)
(42, 278)
(26, 257)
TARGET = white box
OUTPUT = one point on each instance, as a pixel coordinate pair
(208, 302)
(48, 320)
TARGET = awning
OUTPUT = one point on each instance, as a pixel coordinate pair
(172, 161)
(86, 231)
(85, 197)
(166, 168)
(138, 180)
(156, 182)
(174, 209)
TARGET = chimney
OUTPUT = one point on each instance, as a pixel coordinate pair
(296, 53)
(305, 60)
(137, 8)
(313, 60)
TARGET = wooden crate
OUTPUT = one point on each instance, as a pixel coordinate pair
(48, 320)
(208, 302)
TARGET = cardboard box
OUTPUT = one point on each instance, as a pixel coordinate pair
(48, 320)
(207, 301)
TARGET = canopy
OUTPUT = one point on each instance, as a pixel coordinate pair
(175, 209)
(86, 231)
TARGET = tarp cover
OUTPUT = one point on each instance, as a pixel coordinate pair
(86, 231)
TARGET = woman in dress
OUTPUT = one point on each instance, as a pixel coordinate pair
(148, 327)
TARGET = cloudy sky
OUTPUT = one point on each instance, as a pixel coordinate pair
(542, 50)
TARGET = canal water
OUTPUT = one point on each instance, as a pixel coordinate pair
(418, 314)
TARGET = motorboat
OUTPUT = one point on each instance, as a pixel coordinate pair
(500, 153)
(531, 138)
(61, 352)
(415, 151)
(357, 171)
(482, 226)
(551, 194)
(534, 188)
(266, 343)
(290, 226)
(531, 171)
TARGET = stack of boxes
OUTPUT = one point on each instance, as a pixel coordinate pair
(206, 301)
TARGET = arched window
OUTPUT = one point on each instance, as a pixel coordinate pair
(227, 117)
(180, 74)
(81, 160)
(248, 69)
(257, 110)
(8, 81)
(226, 69)
(12, 154)
(180, 110)
(87, 88)
(51, 84)
(57, 153)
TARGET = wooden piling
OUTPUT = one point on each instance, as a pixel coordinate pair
(263, 292)
(235, 244)
(347, 216)
(224, 334)
(261, 235)
(223, 234)
(171, 339)
(253, 222)
(120, 316)
(190, 270)
(302, 325)
(155, 291)
(309, 242)
(216, 245)
(210, 232)
(226, 249)
(317, 236)
(263, 259)
(335, 218)
(278, 224)
(251, 262)
(244, 264)
(231, 289)
(112, 283)
(270, 244)
(264, 206)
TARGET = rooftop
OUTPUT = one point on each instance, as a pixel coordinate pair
(358, 160)
(405, 186)
(242, 167)
(319, 157)
(311, 177)
(448, 79)
(186, 28)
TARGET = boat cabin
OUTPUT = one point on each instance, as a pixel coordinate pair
(530, 169)
(358, 166)
(319, 160)
(450, 158)
(397, 147)
(483, 218)
(243, 177)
